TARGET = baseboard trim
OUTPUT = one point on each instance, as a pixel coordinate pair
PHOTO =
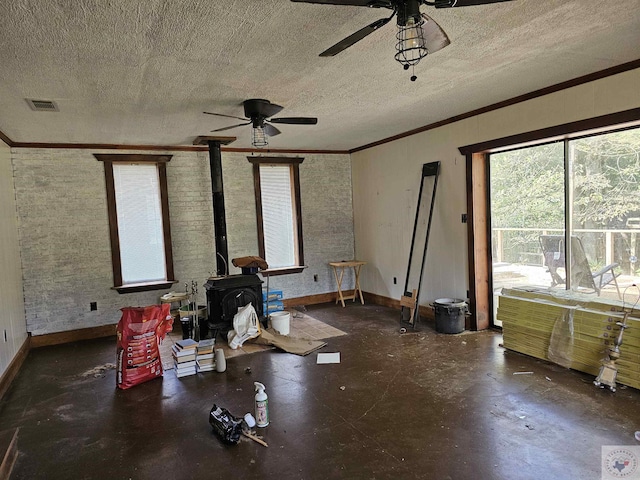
(14, 367)
(315, 299)
(69, 336)
(382, 301)
(110, 330)
(425, 312)
(73, 336)
(10, 456)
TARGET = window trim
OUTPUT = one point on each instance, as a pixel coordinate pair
(161, 162)
(294, 163)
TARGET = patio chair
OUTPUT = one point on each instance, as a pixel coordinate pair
(581, 274)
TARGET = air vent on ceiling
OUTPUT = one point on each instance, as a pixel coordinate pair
(42, 105)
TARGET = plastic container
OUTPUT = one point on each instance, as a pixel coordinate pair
(262, 405)
(187, 327)
(274, 306)
(221, 362)
(249, 420)
(280, 321)
(450, 315)
(273, 295)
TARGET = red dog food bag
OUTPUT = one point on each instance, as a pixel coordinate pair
(140, 331)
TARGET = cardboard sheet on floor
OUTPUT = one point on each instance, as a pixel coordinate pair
(297, 346)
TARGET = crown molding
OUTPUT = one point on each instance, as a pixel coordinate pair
(624, 67)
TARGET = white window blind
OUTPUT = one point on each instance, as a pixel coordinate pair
(139, 212)
(277, 216)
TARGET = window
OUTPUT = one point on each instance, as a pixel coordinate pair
(138, 221)
(277, 190)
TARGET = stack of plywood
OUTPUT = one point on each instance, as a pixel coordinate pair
(574, 331)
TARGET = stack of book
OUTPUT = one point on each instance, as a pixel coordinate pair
(204, 355)
(184, 357)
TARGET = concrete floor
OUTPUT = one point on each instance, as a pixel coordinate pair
(415, 406)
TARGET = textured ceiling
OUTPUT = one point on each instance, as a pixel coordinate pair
(142, 72)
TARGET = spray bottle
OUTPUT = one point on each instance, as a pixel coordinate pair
(262, 406)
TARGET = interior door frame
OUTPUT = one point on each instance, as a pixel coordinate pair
(478, 201)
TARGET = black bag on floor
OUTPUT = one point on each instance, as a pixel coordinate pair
(228, 427)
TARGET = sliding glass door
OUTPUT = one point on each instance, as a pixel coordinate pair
(573, 199)
(605, 217)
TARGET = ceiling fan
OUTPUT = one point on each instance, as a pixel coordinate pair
(418, 34)
(258, 113)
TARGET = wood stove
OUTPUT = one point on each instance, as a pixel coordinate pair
(228, 292)
(225, 295)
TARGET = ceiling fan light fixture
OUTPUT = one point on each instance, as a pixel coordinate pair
(413, 27)
(259, 137)
(258, 112)
(410, 46)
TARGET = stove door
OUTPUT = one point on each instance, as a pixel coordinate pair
(239, 297)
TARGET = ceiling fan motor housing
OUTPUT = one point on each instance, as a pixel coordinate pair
(259, 109)
(407, 10)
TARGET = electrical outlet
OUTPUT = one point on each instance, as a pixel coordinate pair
(315, 277)
(395, 281)
(93, 306)
(464, 218)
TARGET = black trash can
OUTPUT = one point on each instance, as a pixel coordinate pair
(450, 313)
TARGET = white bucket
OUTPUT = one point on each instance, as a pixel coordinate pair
(280, 322)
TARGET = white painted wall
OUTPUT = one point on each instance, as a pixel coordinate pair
(12, 322)
(64, 230)
(386, 181)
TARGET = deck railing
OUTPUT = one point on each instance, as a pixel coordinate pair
(603, 247)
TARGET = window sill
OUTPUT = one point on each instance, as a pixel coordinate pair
(272, 272)
(144, 287)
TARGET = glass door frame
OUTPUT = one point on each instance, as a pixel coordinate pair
(478, 198)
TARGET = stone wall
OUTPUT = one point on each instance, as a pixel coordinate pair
(64, 231)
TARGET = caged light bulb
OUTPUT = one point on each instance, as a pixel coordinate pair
(412, 37)
(410, 47)
(259, 137)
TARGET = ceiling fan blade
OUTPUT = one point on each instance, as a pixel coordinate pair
(435, 37)
(355, 3)
(232, 126)
(464, 3)
(270, 130)
(223, 115)
(295, 120)
(355, 37)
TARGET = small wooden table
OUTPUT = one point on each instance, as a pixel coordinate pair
(357, 265)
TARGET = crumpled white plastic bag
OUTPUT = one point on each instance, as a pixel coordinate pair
(245, 326)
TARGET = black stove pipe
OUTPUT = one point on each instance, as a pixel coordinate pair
(219, 219)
